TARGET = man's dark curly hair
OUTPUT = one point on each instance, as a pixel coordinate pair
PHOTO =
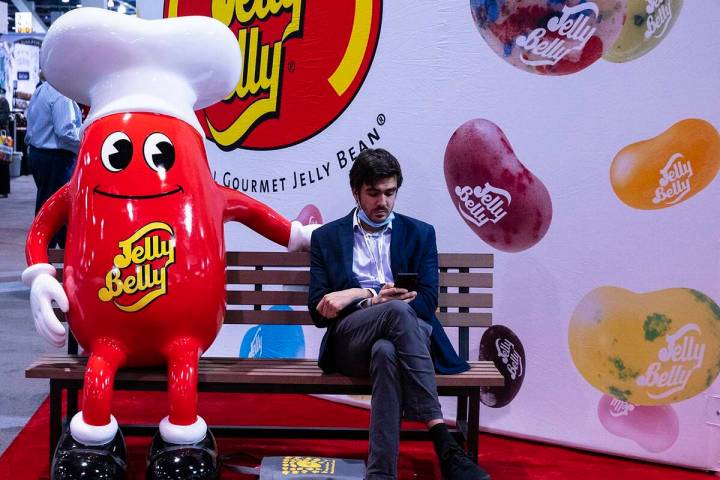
(372, 165)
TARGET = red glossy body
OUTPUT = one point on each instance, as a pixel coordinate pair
(145, 256)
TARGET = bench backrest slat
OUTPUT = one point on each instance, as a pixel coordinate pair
(302, 277)
(283, 317)
(291, 298)
(259, 280)
(302, 259)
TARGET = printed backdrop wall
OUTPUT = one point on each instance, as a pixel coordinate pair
(576, 141)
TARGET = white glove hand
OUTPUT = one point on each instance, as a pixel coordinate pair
(300, 236)
(44, 288)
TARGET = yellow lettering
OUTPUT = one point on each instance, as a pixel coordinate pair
(265, 77)
(167, 249)
(125, 258)
(223, 10)
(130, 286)
(248, 10)
(262, 63)
(268, 81)
(137, 254)
(113, 286)
(294, 25)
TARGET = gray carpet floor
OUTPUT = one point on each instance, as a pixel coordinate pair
(19, 344)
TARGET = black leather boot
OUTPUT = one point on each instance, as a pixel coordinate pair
(454, 462)
(169, 461)
(74, 460)
(457, 465)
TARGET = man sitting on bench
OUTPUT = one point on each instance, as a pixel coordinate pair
(376, 329)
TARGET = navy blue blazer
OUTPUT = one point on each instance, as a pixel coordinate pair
(412, 249)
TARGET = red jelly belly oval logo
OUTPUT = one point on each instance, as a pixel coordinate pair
(303, 63)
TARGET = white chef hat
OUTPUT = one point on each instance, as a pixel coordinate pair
(118, 63)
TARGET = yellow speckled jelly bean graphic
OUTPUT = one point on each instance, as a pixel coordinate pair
(647, 349)
(668, 169)
(646, 24)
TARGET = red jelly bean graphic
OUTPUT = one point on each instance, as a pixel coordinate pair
(498, 197)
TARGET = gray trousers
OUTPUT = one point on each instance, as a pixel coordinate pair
(391, 344)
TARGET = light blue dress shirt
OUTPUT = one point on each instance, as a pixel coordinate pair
(53, 121)
(371, 255)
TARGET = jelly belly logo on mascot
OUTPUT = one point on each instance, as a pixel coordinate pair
(304, 62)
(140, 255)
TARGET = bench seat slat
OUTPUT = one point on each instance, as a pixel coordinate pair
(248, 371)
(73, 362)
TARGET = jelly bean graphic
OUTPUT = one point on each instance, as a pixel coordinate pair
(668, 169)
(500, 345)
(653, 428)
(310, 215)
(654, 348)
(647, 23)
(501, 201)
(274, 341)
(549, 38)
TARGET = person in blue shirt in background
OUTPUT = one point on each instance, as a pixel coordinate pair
(53, 141)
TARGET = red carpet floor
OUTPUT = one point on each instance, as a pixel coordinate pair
(505, 459)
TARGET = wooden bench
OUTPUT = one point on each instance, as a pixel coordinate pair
(261, 279)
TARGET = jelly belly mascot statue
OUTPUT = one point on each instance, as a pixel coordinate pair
(144, 278)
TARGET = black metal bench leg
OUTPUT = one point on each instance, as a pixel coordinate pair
(462, 416)
(55, 416)
(72, 402)
(474, 424)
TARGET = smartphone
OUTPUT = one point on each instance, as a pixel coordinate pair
(407, 281)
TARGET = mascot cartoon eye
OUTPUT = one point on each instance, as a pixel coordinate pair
(116, 152)
(159, 152)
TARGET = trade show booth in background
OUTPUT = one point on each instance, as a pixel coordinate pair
(582, 153)
(20, 67)
(19, 75)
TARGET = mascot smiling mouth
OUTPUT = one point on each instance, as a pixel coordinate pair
(138, 197)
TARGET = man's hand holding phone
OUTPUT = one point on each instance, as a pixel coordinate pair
(390, 291)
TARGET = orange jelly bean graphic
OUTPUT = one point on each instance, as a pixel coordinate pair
(668, 169)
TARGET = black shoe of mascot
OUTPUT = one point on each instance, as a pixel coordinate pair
(169, 461)
(74, 460)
